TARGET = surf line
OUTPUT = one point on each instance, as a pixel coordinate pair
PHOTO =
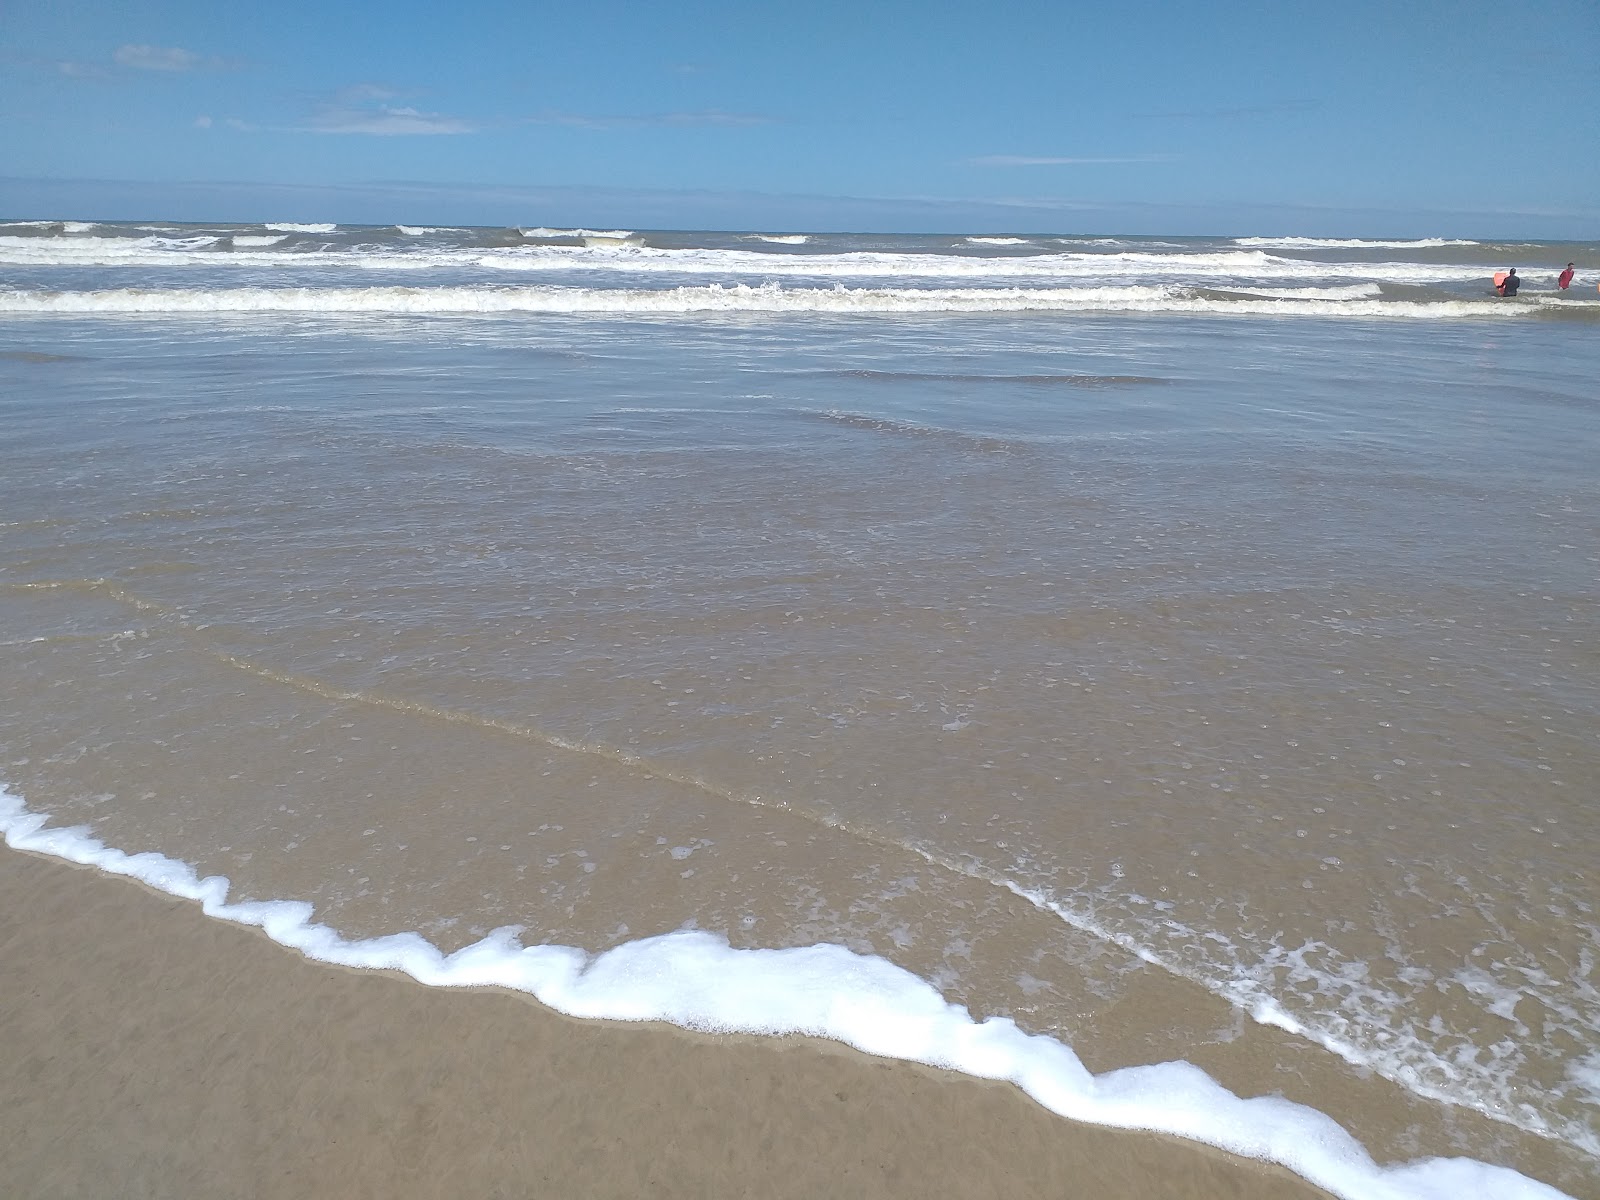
(696, 981)
(1243, 995)
(1254, 1002)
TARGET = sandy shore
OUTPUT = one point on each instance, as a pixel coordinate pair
(146, 1050)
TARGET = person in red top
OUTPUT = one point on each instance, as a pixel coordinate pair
(1565, 278)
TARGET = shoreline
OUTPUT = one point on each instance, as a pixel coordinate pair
(186, 1056)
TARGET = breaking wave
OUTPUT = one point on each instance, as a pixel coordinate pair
(741, 298)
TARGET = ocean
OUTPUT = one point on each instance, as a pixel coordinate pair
(1088, 661)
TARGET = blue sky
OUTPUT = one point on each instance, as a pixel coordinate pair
(1414, 117)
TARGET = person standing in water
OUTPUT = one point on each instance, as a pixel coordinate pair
(1509, 285)
(1564, 280)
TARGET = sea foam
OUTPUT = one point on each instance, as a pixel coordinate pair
(619, 252)
(697, 981)
(770, 298)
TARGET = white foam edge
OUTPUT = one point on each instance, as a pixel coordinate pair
(695, 980)
(717, 298)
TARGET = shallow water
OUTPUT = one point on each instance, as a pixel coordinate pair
(1133, 675)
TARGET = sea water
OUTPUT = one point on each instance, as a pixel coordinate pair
(1042, 656)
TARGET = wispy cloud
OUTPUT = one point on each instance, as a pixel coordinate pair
(367, 108)
(1225, 114)
(134, 58)
(82, 70)
(1032, 160)
(621, 121)
(165, 58)
(156, 58)
(383, 121)
(365, 93)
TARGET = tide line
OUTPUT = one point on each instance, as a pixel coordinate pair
(697, 981)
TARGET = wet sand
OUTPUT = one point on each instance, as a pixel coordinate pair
(146, 1050)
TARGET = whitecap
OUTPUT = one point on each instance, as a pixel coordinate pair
(1294, 243)
(616, 234)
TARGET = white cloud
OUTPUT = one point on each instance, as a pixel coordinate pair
(202, 122)
(157, 58)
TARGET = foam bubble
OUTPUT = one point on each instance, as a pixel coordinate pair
(697, 981)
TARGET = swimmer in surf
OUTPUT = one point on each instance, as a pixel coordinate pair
(1511, 283)
(1564, 280)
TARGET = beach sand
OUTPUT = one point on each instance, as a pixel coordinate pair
(146, 1050)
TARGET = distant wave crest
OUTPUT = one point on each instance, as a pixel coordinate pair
(1310, 243)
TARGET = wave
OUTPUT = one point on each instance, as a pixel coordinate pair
(996, 241)
(611, 234)
(1310, 243)
(781, 239)
(1131, 243)
(254, 240)
(697, 981)
(915, 429)
(37, 356)
(291, 227)
(1351, 291)
(735, 299)
(621, 252)
(959, 377)
(631, 256)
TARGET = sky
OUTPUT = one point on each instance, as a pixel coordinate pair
(1414, 118)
